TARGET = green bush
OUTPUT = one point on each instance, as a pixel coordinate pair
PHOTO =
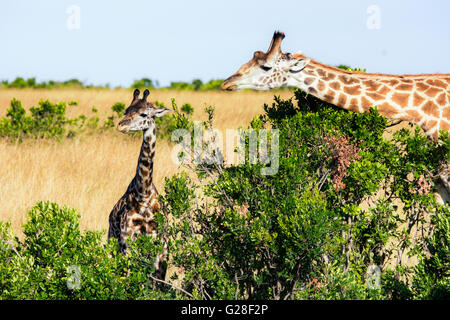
(314, 229)
(45, 121)
(432, 274)
(144, 83)
(48, 120)
(58, 261)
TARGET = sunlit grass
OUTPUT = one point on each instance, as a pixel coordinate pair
(91, 172)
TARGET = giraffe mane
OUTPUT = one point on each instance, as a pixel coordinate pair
(367, 74)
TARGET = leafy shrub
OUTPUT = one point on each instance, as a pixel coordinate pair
(144, 83)
(166, 125)
(58, 261)
(48, 120)
(343, 200)
(432, 274)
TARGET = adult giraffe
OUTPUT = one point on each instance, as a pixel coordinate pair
(422, 99)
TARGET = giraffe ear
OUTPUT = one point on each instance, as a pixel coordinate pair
(298, 65)
(160, 112)
(146, 93)
(136, 94)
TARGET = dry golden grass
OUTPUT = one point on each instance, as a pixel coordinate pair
(91, 173)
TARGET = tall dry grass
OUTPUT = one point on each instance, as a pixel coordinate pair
(91, 173)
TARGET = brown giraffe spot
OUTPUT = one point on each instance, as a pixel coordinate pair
(329, 76)
(348, 80)
(413, 116)
(435, 135)
(321, 73)
(404, 87)
(354, 108)
(151, 226)
(383, 90)
(137, 222)
(342, 99)
(432, 92)
(144, 163)
(429, 124)
(354, 103)
(365, 103)
(321, 85)
(387, 110)
(393, 82)
(445, 125)
(417, 99)
(400, 98)
(446, 113)
(312, 90)
(309, 72)
(355, 90)
(431, 109)
(329, 96)
(440, 100)
(143, 171)
(155, 206)
(421, 86)
(437, 83)
(335, 85)
(408, 81)
(375, 96)
(372, 85)
(309, 80)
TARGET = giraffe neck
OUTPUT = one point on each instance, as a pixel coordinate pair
(421, 99)
(143, 182)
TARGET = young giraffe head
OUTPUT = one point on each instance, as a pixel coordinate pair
(140, 115)
(268, 70)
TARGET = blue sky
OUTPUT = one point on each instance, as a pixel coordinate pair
(120, 41)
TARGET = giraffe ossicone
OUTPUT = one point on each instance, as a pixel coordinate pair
(134, 213)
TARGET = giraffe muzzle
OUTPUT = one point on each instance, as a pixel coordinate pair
(122, 126)
(228, 85)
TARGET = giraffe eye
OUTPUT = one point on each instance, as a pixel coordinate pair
(144, 115)
(266, 68)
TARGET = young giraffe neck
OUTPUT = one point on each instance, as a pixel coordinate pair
(421, 99)
(143, 182)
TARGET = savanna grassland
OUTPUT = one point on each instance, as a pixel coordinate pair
(90, 172)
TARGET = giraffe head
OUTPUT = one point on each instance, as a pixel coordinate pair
(268, 70)
(140, 115)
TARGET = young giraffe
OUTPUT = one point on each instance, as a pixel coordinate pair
(133, 214)
(422, 99)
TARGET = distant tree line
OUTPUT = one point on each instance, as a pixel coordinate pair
(195, 85)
